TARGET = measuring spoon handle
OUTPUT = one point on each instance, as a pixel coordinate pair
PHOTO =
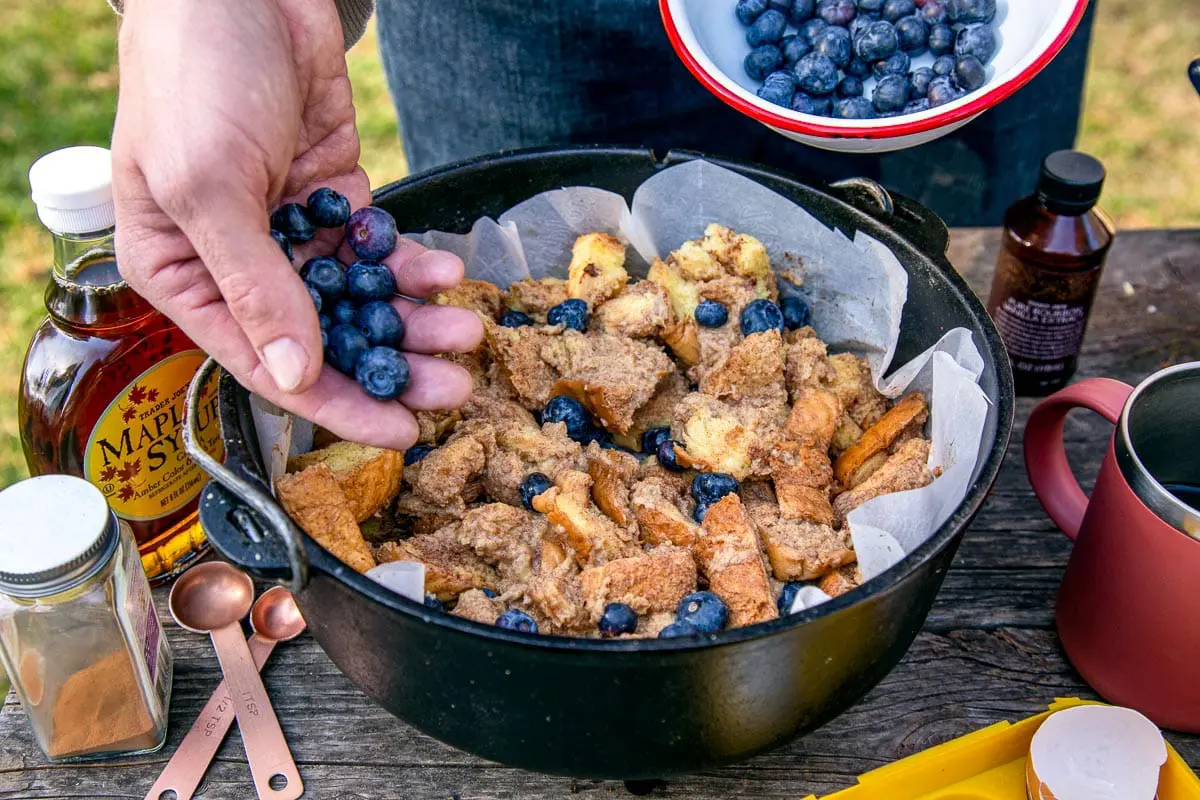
(266, 749)
(185, 770)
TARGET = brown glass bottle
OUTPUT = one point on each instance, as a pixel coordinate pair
(1052, 252)
(103, 389)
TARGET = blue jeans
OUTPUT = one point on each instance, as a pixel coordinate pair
(470, 77)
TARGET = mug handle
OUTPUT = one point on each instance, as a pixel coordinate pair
(1046, 458)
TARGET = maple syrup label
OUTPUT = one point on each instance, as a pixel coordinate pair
(135, 454)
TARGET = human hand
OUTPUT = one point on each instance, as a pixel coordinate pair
(227, 109)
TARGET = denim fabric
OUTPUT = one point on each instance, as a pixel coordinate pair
(476, 76)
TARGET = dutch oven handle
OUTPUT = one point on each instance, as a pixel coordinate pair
(242, 521)
(907, 217)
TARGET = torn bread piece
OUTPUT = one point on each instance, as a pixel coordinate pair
(475, 605)
(594, 537)
(841, 580)
(370, 477)
(912, 411)
(798, 550)
(536, 296)
(802, 476)
(481, 297)
(505, 537)
(648, 582)
(660, 520)
(720, 437)
(730, 555)
(683, 293)
(516, 353)
(905, 469)
(446, 472)
(451, 567)
(314, 499)
(751, 371)
(597, 268)
(641, 311)
(805, 361)
(612, 473)
(852, 382)
(814, 418)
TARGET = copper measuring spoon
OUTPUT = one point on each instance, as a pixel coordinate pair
(211, 598)
(275, 617)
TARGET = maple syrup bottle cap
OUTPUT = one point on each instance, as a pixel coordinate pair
(56, 531)
(72, 189)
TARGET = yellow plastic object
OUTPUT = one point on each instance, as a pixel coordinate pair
(988, 764)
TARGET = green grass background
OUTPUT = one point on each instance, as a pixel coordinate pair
(58, 85)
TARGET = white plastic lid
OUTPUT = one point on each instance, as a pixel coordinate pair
(54, 531)
(72, 189)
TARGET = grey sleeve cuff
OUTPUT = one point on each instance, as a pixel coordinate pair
(355, 14)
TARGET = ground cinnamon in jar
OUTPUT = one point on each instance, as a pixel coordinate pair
(100, 708)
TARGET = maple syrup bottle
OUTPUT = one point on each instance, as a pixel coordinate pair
(1053, 249)
(106, 376)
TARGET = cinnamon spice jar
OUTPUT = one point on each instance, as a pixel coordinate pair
(79, 635)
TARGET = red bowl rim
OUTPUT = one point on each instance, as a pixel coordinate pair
(981, 103)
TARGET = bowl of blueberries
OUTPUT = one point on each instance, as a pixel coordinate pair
(866, 76)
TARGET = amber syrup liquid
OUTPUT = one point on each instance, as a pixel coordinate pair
(99, 339)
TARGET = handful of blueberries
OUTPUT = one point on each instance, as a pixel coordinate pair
(838, 44)
(360, 329)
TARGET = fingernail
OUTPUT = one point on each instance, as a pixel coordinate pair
(286, 361)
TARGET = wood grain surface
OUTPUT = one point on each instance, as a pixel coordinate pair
(988, 652)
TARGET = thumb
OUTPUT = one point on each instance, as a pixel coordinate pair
(263, 293)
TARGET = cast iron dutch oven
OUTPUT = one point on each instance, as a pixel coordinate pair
(615, 709)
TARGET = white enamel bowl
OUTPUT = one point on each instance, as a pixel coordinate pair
(712, 44)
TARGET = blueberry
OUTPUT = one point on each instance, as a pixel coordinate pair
(943, 65)
(292, 221)
(516, 620)
(415, 453)
(891, 93)
(761, 315)
(617, 618)
(804, 104)
(779, 87)
(432, 601)
(787, 597)
(857, 68)
(941, 91)
(562, 408)
(810, 30)
(315, 295)
(326, 275)
(794, 48)
(877, 42)
(346, 346)
(489, 592)
(969, 73)
(796, 313)
(534, 484)
(767, 29)
(706, 612)
(371, 233)
(978, 41)
(913, 35)
(941, 40)
(699, 512)
(515, 319)
(382, 372)
(963, 12)
(324, 321)
(823, 105)
(749, 10)
(572, 313)
(380, 323)
(870, 6)
(370, 280)
(327, 208)
(343, 311)
(762, 61)
(834, 44)
(837, 12)
(283, 243)
(854, 108)
(918, 82)
(711, 314)
(709, 487)
(850, 86)
(917, 106)
(897, 64)
(652, 438)
(933, 13)
(677, 629)
(816, 74)
(860, 24)
(894, 10)
(666, 456)
(800, 11)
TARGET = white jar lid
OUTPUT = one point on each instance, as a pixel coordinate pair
(72, 189)
(55, 531)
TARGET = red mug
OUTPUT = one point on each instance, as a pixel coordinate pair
(1127, 608)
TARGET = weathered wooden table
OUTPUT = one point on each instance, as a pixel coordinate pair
(987, 653)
